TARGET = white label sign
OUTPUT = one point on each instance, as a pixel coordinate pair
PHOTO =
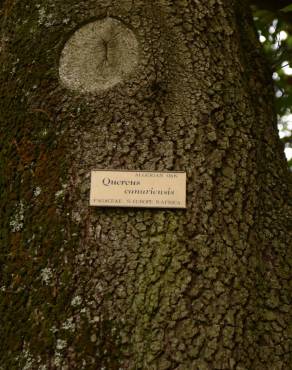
(146, 189)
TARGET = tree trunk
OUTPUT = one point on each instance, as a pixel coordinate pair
(183, 86)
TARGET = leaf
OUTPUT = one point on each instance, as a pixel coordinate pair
(287, 9)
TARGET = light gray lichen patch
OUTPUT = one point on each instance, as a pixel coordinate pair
(61, 344)
(76, 301)
(46, 275)
(37, 191)
(69, 325)
(29, 360)
(17, 220)
(98, 56)
(44, 18)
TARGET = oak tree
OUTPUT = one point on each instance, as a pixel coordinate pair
(141, 85)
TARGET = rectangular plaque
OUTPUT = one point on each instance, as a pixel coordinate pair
(139, 189)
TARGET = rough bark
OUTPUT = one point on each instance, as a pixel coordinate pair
(89, 288)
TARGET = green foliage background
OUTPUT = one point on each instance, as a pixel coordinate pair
(275, 32)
